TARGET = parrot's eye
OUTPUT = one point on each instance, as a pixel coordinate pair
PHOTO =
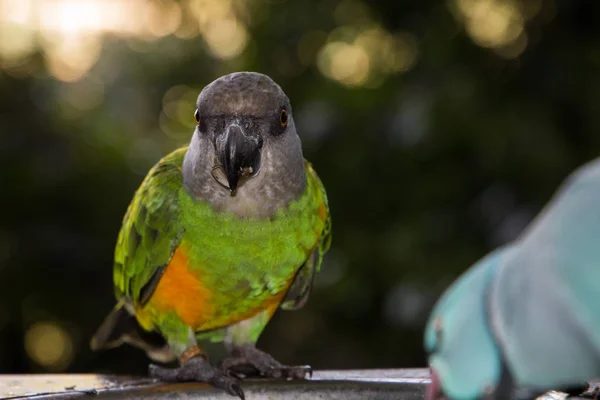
(283, 118)
(197, 116)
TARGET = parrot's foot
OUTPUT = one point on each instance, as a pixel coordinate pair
(262, 364)
(198, 369)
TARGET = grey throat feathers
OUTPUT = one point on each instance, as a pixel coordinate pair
(279, 181)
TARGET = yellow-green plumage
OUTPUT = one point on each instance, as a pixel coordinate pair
(243, 264)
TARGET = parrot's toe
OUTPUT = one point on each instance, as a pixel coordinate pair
(236, 390)
(293, 372)
(249, 361)
(198, 369)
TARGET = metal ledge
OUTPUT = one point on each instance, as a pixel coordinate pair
(378, 384)
(352, 384)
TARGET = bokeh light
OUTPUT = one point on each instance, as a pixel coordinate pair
(346, 63)
(497, 24)
(49, 345)
(71, 32)
(361, 57)
(359, 52)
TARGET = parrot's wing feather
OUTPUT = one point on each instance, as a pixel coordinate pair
(297, 295)
(148, 288)
(110, 333)
(151, 231)
(544, 302)
(149, 235)
(305, 277)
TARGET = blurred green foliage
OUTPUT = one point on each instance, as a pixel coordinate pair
(428, 165)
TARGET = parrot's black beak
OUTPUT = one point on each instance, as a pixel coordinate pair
(238, 156)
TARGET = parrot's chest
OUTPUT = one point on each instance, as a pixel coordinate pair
(248, 258)
(227, 269)
(203, 300)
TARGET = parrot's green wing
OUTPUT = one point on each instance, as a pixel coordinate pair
(301, 287)
(151, 231)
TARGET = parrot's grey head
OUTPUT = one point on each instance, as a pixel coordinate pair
(245, 155)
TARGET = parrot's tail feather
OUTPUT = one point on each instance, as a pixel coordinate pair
(109, 333)
(122, 327)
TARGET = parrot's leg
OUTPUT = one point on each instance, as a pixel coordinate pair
(195, 367)
(241, 343)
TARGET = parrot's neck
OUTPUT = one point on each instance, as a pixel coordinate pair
(273, 189)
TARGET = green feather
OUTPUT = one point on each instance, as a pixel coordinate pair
(151, 229)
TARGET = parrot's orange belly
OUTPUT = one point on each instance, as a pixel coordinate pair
(181, 291)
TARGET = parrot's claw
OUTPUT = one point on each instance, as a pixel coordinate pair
(294, 372)
(249, 361)
(198, 369)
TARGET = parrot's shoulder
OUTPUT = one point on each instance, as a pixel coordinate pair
(168, 171)
(160, 188)
(151, 229)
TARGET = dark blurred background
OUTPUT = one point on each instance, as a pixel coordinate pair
(439, 129)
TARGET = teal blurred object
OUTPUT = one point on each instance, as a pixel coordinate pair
(464, 358)
(545, 301)
(536, 326)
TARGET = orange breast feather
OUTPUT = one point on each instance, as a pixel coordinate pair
(180, 290)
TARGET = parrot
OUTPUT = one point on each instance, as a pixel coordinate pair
(464, 358)
(550, 337)
(532, 324)
(219, 235)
